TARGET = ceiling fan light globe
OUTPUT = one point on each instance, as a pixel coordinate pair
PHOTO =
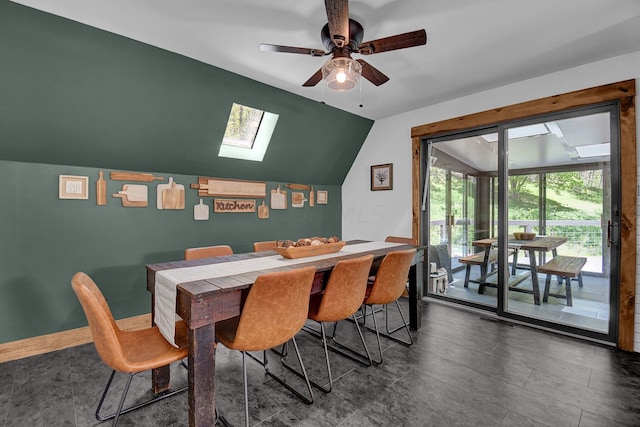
(341, 74)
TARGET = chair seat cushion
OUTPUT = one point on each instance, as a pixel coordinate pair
(147, 349)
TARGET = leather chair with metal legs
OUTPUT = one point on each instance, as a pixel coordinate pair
(274, 311)
(130, 352)
(207, 252)
(389, 283)
(341, 299)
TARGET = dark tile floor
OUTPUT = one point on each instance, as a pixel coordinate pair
(463, 370)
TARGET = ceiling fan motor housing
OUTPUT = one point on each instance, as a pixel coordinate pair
(356, 32)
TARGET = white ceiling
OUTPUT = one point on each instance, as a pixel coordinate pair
(472, 45)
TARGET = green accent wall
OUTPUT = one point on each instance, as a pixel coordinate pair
(71, 94)
(74, 100)
(46, 240)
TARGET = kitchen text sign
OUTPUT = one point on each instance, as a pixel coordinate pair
(234, 205)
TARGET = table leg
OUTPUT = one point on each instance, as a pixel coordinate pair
(415, 295)
(160, 379)
(534, 277)
(202, 358)
(484, 268)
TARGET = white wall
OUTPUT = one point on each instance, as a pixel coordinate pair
(373, 215)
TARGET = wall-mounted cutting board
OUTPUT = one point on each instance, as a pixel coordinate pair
(160, 188)
(230, 188)
(173, 197)
(263, 211)
(201, 211)
(133, 196)
(278, 199)
(297, 199)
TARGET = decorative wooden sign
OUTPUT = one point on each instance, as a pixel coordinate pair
(231, 205)
(230, 188)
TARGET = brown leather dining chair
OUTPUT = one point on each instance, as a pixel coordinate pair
(130, 352)
(340, 300)
(390, 281)
(264, 246)
(207, 252)
(403, 240)
(274, 311)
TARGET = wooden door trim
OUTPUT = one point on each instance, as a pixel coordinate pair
(623, 92)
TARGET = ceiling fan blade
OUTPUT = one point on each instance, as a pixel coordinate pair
(314, 80)
(400, 41)
(289, 49)
(338, 19)
(372, 74)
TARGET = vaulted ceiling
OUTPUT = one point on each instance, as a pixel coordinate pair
(472, 45)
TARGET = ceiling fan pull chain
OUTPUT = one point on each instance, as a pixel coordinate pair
(360, 94)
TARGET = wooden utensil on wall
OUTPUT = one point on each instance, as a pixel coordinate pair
(201, 211)
(263, 211)
(101, 190)
(297, 200)
(134, 176)
(133, 196)
(278, 199)
(173, 198)
(312, 197)
(160, 189)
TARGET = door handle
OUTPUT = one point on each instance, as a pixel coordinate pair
(612, 233)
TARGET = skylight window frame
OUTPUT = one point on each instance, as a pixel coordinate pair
(260, 140)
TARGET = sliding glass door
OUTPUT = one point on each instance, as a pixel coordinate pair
(528, 213)
(559, 175)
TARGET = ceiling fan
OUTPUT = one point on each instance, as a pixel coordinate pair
(341, 37)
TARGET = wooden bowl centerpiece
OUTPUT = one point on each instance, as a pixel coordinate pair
(308, 247)
(524, 236)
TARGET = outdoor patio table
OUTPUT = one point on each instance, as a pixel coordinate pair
(539, 244)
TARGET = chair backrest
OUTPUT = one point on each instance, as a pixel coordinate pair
(103, 327)
(391, 277)
(405, 240)
(275, 309)
(207, 252)
(345, 289)
(264, 246)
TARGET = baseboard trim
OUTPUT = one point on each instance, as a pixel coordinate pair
(15, 350)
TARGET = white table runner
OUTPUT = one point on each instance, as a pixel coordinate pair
(167, 280)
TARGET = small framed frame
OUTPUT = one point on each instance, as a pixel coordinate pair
(382, 177)
(73, 187)
(323, 197)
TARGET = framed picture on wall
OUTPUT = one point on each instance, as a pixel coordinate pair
(73, 187)
(323, 197)
(382, 177)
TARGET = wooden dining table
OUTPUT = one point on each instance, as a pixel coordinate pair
(539, 245)
(202, 303)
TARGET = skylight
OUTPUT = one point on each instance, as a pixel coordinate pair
(248, 133)
(593, 150)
